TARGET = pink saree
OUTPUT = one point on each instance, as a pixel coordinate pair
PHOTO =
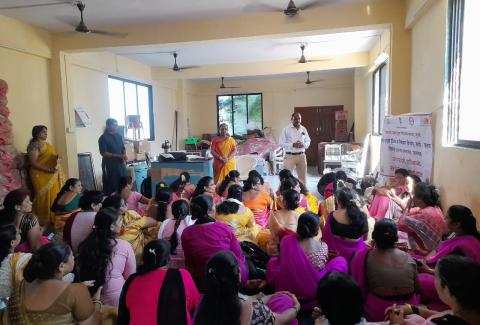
(374, 306)
(292, 271)
(345, 248)
(468, 245)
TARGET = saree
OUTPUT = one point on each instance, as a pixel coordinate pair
(425, 228)
(468, 245)
(345, 248)
(11, 275)
(260, 207)
(224, 148)
(374, 306)
(46, 185)
(309, 203)
(292, 271)
(243, 225)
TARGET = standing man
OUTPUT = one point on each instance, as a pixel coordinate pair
(295, 140)
(112, 150)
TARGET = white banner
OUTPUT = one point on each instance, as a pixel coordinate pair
(407, 143)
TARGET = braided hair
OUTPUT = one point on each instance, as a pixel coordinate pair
(180, 210)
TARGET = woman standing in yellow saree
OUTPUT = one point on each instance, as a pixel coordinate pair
(223, 150)
(45, 174)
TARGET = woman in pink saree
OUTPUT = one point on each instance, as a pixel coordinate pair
(425, 224)
(302, 262)
(386, 275)
(465, 241)
(206, 238)
(346, 228)
(387, 199)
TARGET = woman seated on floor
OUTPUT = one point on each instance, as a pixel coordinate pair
(302, 262)
(68, 198)
(182, 186)
(240, 218)
(157, 294)
(257, 200)
(456, 281)
(11, 264)
(135, 200)
(206, 186)
(464, 240)
(282, 222)
(387, 275)
(43, 298)
(136, 230)
(172, 229)
(207, 237)
(17, 209)
(223, 304)
(161, 206)
(105, 258)
(347, 227)
(425, 224)
(401, 188)
(232, 178)
(79, 225)
(266, 187)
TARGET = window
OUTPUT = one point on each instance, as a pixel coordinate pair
(129, 98)
(239, 110)
(379, 98)
(461, 72)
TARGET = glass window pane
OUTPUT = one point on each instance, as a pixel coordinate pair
(130, 99)
(224, 104)
(144, 110)
(468, 119)
(383, 97)
(376, 101)
(240, 114)
(255, 110)
(115, 94)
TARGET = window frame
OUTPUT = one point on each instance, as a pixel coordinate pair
(453, 54)
(150, 103)
(379, 122)
(233, 113)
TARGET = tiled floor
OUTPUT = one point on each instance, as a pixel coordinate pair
(312, 180)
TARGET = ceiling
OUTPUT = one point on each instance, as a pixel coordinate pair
(322, 46)
(109, 13)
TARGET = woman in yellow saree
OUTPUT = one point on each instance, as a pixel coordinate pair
(223, 150)
(45, 174)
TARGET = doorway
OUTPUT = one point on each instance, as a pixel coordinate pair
(320, 124)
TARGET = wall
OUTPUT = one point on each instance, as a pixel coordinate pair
(25, 65)
(455, 169)
(88, 83)
(280, 96)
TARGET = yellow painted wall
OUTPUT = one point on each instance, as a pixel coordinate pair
(280, 96)
(455, 169)
(25, 65)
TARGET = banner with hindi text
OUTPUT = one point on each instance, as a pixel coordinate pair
(407, 143)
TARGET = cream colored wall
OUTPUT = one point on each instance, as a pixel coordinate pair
(25, 65)
(88, 83)
(280, 96)
(455, 169)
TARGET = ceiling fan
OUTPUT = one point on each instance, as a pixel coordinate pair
(290, 11)
(302, 58)
(175, 66)
(309, 82)
(222, 85)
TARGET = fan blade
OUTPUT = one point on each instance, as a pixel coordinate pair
(320, 60)
(230, 87)
(110, 34)
(260, 7)
(317, 3)
(189, 67)
(46, 4)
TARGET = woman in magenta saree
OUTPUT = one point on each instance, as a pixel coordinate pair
(299, 271)
(386, 275)
(466, 241)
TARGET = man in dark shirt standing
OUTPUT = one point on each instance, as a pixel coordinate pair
(112, 150)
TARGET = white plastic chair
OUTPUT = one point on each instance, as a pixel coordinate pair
(244, 165)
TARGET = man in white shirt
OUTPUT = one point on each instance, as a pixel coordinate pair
(295, 140)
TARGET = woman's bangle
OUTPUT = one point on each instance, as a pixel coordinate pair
(96, 301)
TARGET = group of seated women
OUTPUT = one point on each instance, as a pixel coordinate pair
(257, 256)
